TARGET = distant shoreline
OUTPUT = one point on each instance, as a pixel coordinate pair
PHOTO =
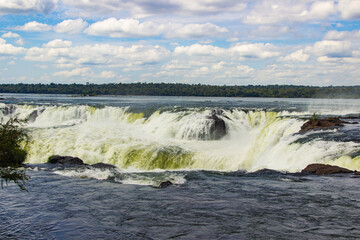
(179, 89)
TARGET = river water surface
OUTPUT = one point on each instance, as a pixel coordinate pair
(244, 185)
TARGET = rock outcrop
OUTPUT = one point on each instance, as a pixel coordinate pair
(56, 159)
(317, 124)
(217, 127)
(323, 169)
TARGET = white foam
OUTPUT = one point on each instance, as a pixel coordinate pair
(86, 173)
(170, 140)
(177, 179)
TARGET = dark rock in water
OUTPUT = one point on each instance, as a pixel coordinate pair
(266, 171)
(217, 127)
(103, 166)
(351, 117)
(7, 110)
(315, 124)
(322, 169)
(210, 127)
(217, 112)
(165, 184)
(56, 159)
(32, 116)
(26, 166)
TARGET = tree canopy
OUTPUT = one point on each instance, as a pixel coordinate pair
(179, 89)
(11, 153)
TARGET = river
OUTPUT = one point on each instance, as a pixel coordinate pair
(244, 184)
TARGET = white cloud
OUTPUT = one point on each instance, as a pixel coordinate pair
(66, 26)
(206, 41)
(271, 12)
(8, 49)
(245, 69)
(58, 43)
(107, 74)
(141, 8)
(199, 50)
(219, 65)
(350, 9)
(332, 49)
(124, 28)
(194, 70)
(26, 6)
(268, 31)
(82, 72)
(34, 27)
(70, 26)
(297, 56)
(63, 54)
(240, 50)
(19, 41)
(177, 64)
(321, 10)
(10, 35)
(196, 31)
(214, 65)
(344, 35)
(254, 50)
(133, 28)
(233, 39)
(207, 6)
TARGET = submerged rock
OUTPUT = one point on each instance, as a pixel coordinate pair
(317, 124)
(323, 169)
(165, 184)
(56, 159)
(103, 166)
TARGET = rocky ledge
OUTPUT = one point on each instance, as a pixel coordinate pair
(324, 169)
(317, 124)
(56, 159)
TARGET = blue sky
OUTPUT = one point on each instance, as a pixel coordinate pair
(222, 42)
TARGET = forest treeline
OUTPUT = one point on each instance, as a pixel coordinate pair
(179, 89)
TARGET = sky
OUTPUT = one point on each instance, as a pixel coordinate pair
(217, 42)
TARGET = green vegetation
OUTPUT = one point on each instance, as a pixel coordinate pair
(18, 176)
(315, 117)
(179, 89)
(11, 135)
(11, 154)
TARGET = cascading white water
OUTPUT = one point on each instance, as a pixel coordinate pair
(174, 140)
